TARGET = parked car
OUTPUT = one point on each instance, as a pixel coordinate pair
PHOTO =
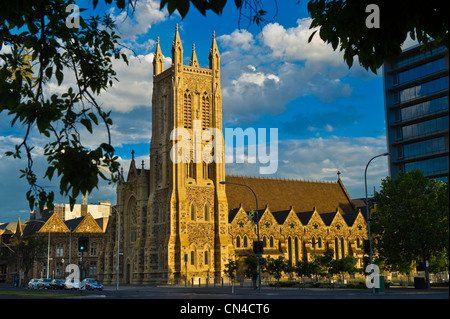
(44, 283)
(57, 284)
(72, 284)
(91, 284)
(32, 284)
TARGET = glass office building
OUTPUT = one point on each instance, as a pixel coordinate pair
(416, 103)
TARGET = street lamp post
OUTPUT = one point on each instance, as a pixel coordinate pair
(257, 229)
(367, 212)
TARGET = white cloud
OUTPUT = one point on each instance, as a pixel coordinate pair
(320, 159)
(139, 22)
(292, 44)
(277, 67)
(237, 40)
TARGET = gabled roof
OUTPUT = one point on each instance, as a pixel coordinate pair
(280, 194)
(85, 224)
(54, 224)
(281, 216)
(305, 217)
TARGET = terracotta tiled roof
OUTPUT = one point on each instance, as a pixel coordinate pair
(281, 194)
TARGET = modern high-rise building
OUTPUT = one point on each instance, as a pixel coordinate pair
(416, 91)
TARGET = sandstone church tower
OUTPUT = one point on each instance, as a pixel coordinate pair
(187, 211)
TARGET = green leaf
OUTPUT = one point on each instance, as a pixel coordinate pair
(87, 124)
(311, 36)
(59, 76)
(93, 118)
(48, 72)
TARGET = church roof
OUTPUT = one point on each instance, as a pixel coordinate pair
(280, 194)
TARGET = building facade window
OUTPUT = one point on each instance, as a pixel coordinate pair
(205, 112)
(419, 71)
(93, 247)
(422, 109)
(431, 146)
(206, 212)
(430, 166)
(192, 212)
(93, 268)
(59, 250)
(421, 90)
(422, 128)
(187, 110)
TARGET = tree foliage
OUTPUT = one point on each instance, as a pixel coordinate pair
(39, 46)
(251, 268)
(231, 268)
(411, 220)
(342, 23)
(28, 251)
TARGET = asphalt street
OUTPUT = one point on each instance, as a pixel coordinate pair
(220, 302)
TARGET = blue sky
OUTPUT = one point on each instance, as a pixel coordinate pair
(329, 118)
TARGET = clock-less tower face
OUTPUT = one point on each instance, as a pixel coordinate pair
(187, 206)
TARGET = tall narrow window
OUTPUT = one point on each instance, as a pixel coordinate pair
(192, 258)
(206, 212)
(205, 170)
(238, 242)
(191, 170)
(245, 241)
(206, 257)
(290, 250)
(336, 248)
(187, 110)
(192, 212)
(205, 112)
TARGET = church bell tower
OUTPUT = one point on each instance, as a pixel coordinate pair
(187, 222)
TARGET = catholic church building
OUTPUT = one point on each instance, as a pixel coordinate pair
(174, 220)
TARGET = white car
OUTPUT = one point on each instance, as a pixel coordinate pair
(33, 283)
(72, 284)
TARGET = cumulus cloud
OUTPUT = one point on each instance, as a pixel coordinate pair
(237, 40)
(133, 24)
(320, 159)
(292, 44)
(261, 74)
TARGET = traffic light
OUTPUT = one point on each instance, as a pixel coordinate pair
(366, 246)
(83, 244)
(366, 261)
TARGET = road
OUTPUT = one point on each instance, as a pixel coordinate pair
(220, 302)
(181, 292)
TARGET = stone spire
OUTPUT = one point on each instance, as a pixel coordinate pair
(214, 56)
(158, 60)
(194, 61)
(177, 49)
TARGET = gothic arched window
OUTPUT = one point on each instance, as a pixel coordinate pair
(205, 112)
(192, 212)
(187, 110)
(206, 212)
